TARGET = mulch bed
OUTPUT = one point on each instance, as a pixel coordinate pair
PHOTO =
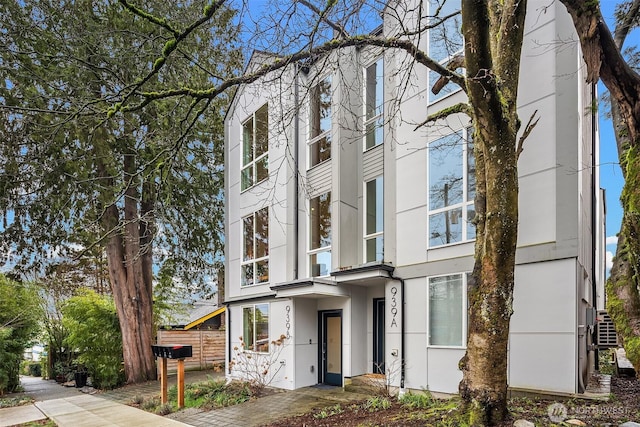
(623, 406)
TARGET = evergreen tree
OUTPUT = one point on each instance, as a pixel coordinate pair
(145, 186)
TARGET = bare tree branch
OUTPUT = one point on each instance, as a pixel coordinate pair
(461, 107)
(624, 26)
(283, 61)
(455, 63)
(322, 14)
(527, 130)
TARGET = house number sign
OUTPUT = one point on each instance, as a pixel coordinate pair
(394, 307)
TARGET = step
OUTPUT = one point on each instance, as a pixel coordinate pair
(623, 365)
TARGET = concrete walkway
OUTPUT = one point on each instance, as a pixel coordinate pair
(70, 407)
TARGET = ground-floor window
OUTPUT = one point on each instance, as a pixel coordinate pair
(255, 327)
(448, 310)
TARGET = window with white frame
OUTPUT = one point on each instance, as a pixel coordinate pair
(320, 235)
(448, 310)
(374, 104)
(445, 40)
(320, 122)
(255, 327)
(374, 220)
(255, 148)
(255, 248)
(451, 189)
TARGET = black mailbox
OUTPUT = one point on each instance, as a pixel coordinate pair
(176, 351)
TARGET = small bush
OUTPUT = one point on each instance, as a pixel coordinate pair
(164, 409)
(212, 394)
(417, 401)
(327, 412)
(150, 405)
(137, 399)
(35, 370)
(377, 403)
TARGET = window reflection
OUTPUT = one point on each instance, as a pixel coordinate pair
(255, 328)
(255, 248)
(374, 102)
(451, 189)
(255, 148)
(374, 220)
(320, 235)
(320, 123)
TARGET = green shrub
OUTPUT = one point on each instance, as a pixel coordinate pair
(377, 403)
(328, 412)
(164, 409)
(35, 370)
(212, 394)
(19, 316)
(94, 333)
(417, 401)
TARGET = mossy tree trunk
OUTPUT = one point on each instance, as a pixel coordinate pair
(493, 32)
(601, 52)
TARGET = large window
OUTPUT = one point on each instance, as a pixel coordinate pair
(447, 310)
(255, 148)
(320, 235)
(451, 189)
(320, 123)
(445, 39)
(374, 220)
(255, 248)
(255, 328)
(374, 104)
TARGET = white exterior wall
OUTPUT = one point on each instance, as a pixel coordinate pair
(554, 234)
(554, 244)
(542, 345)
(272, 192)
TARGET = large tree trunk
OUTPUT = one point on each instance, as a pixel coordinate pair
(601, 52)
(493, 33)
(131, 282)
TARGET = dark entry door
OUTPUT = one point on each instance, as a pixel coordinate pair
(378, 336)
(331, 347)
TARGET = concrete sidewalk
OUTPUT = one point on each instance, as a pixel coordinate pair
(83, 410)
(92, 411)
(68, 407)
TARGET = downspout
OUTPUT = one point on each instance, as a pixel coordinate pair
(296, 149)
(402, 329)
(594, 218)
(228, 314)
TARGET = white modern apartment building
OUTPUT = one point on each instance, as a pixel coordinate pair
(349, 226)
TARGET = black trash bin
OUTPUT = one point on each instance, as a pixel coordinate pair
(81, 379)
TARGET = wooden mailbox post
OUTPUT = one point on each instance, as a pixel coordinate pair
(179, 352)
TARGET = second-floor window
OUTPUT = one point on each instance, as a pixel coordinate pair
(255, 148)
(373, 104)
(452, 188)
(320, 123)
(255, 248)
(373, 221)
(320, 235)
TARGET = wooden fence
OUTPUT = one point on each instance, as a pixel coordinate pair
(208, 347)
